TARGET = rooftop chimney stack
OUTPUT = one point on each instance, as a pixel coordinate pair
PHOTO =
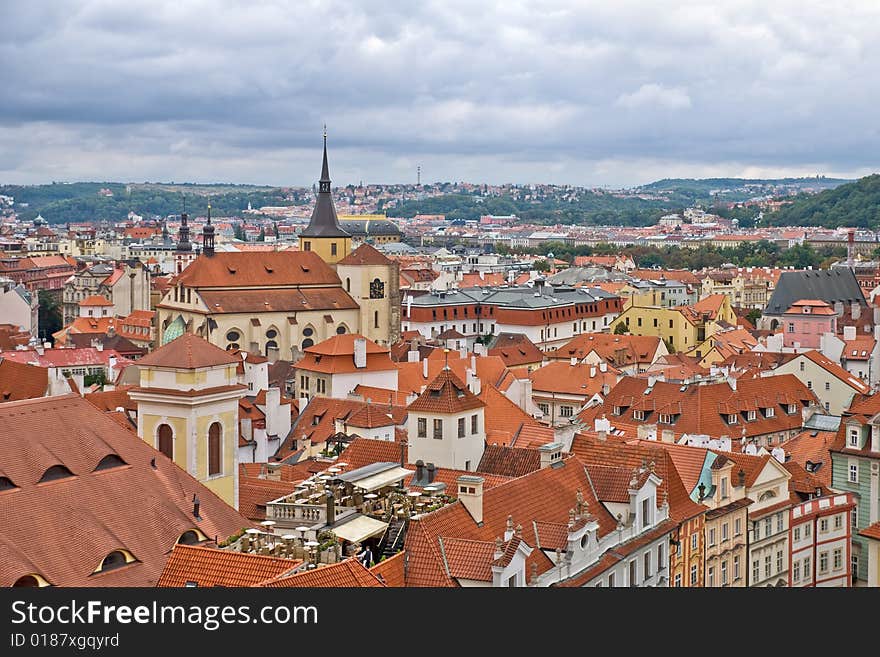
(551, 454)
(850, 248)
(331, 508)
(360, 353)
(470, 494)
(196, 505)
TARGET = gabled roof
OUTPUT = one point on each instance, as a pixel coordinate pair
(188, 352)
(828, 285)
(235, 269)
(833, 369)
(544, 496)
(63, 529)
(345, 574)
(365, 254)
(505, 420)
(617, 350)
(509, 461)
(515, 349)
(96, 300)
(446, 394)
(22, 381)
(371, 416)
(562, 377)
(390, 571)
(212, 567)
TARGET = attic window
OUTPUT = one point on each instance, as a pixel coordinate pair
(110, 461)
(191, 537)
(55, 472)
(6, 483)
(268, 269)
(304, 268)
(435, 393)
(230, 269)
(115, 559)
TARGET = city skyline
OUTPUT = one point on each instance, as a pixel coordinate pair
(570, 93)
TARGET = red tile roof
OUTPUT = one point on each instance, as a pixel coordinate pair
(345, 574)
(872, 531)
(21, 381)
(542, 496)
(188, 352)
(702, 408)
(212, 567)
(509, 461)
(505, 420)
(110, 400)
(269, 299)
(390, 571)
(467, 559)
(336, 355)
(96, 300)
(812, 447)
(581, 379)
(617, 350)
(515, 349)
(259, 269)
(63, 529)
(446, 394)
(365, 255)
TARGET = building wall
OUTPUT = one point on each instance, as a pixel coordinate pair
(867, 493)
(834, 395)
(190, 423)
(323, 246)
(356, 280)
(14, 309)
(805, 330)
(820, 542)
(253, 338)
(688, 554)
(450, 451)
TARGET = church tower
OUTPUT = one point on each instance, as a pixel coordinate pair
(323, 235)
(188, 409)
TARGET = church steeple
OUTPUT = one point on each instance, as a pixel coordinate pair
(183, 243)
(324, 235)
(208, 236)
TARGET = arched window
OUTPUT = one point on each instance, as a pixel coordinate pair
(165, 440)
(110, 461)
(54, 473)
(30, 581)
(272, 334)
(231, 346)
(214, 449)
(191, 537)
(308, 331)
(115, 559)
(271, 344)
(376, 319)
(308, 342)
(232, 336)
(766, 495)
(341, 330)
(6, 483)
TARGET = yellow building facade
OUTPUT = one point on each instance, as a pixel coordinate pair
(188, 410)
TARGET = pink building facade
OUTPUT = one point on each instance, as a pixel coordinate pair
(805, 322)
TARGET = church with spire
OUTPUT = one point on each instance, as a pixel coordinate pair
(324, 235)
(278, 303)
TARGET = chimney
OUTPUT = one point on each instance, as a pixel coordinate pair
(480, 348)
(593, 372)
(667, 436)
(360, 353)
(473, 363)
(402, 455)
(420, 471)
(850, 247)
(196, 505)
(856, 310)
(603, 367)
(838, 308)
(849, 332)
(99, 346)
(431, 471)
(424, 368)
(646, 432)
(574, 361)
(40, 349)
(551, 454)
(331, 508)
(470, 494)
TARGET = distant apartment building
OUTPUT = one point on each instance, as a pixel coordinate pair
(127, 288)
(821, 537)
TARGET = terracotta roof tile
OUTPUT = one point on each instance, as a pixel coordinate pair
(345, 574)
(263, 269)
(63, 529)
(467, 559)
(96, 300)
(276, 300)
(509, 461)
(617, 350)
(446, 394)
(813, 451)
(21, 381)
(390, 571)
(365, 254)
(873, 531)
(188, 352)
(562, 377)
(213, 567)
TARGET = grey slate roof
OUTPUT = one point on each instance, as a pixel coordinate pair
(324, 222)
(365, 228)
(828, 285)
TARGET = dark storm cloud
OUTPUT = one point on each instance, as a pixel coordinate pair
(577, 92)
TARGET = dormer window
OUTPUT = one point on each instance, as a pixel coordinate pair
(751, 415)
(731, 418)
(792, 409)
(617, 410)
(769, 412)
(665, 418)
(638, 415)
(853, 440)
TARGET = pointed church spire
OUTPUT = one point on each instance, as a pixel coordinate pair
(208, 236)
(324, 222)
(183, 243)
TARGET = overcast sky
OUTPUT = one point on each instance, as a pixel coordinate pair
(606, 93)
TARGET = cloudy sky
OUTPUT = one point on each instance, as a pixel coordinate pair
(606, 93)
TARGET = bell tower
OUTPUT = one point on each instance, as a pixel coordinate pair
(323, 235)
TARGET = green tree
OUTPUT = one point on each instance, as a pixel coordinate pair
(275, 229)
(753, 316)
(621, 329)
(262, 236)
(49, 315)
(238, 232)
(541, 265)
